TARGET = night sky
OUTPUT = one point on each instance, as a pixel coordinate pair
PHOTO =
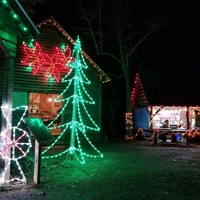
(176, 65)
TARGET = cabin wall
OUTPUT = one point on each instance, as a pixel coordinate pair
(25, 82)
(8, 40)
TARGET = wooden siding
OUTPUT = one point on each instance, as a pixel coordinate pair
(11, 28)
(50, 38)
(8, 24)
(14, 26)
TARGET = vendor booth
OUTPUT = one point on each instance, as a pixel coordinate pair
(178, 117)
(183, 121)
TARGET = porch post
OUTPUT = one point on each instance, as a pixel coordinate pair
(8, 74)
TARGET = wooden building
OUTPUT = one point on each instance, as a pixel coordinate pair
(14, 24)
(153, 116)
(34, 87)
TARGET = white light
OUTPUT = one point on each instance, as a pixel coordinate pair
(50, 99)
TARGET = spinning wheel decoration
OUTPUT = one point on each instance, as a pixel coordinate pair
(15, 143)
(19, 144)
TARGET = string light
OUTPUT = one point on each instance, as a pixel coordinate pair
(154, 114)
(15, 16)
(13, 147)
(129, 124)
(105, 78)
(50, 65)
(138, 97)
(77, 81)
(173, 113)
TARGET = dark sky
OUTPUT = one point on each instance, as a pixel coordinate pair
(183, 32)
(179, 42)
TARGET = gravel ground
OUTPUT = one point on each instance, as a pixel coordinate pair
(129, 170)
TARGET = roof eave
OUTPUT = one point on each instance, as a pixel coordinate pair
(105, 77)
(26, 19)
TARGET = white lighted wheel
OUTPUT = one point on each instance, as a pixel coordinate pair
(17, 146)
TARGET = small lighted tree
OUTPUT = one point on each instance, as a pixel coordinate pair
(75, 125)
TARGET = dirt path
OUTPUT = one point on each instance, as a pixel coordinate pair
(128, 170)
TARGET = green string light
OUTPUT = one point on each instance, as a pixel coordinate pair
(15, 16)
(76, 81)
(4, 1)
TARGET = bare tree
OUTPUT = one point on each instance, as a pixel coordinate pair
(118, 28)
(29, 5)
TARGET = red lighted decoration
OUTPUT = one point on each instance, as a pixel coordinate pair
(57, 63)
(138, 97)
(50, 65)
(34, 57)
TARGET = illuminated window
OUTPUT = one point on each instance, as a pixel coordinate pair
(43, 106)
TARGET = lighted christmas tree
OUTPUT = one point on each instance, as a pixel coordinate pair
(75, 100)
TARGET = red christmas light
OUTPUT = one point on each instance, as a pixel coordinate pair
(34, 57)
(51, 65)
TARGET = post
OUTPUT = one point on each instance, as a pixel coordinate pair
(155, 138)
(7, 104)
(36, 178)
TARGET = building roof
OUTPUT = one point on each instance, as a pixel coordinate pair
(138, 97)
(20, 18)
(25, 18)
(105, 77)
(14, 23)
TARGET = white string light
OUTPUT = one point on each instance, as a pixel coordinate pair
(15, 144)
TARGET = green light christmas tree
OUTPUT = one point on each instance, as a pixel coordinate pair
(76, 81)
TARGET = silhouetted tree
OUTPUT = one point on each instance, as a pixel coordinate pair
(118, 28)
(29, 5)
